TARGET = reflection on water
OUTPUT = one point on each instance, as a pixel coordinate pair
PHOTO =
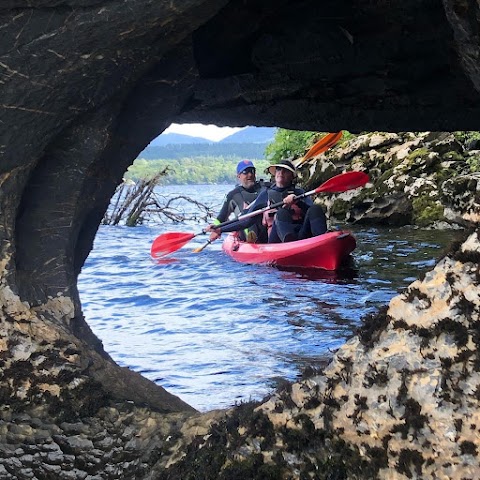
(215, 332)
(345, 274)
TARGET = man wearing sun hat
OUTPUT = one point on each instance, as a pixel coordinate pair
(240, 198)
(293, 221)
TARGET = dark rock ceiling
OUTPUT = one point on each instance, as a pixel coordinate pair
(87, 84)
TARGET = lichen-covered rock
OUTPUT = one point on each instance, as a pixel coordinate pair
(408, 173)
(461, 197)
(67, 408)
(399, 400)
(406, 389)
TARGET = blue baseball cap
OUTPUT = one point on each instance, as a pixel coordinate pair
(244, 164)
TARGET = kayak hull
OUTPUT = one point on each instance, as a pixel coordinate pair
(328, 251)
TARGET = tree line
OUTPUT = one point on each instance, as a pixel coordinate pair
(191, 170)
(182, 169)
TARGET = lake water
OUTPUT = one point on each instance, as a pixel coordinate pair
(215, 332)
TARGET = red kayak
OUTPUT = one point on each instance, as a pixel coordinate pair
(327, 251)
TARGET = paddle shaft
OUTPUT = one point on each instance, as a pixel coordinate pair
(199, 249)
(170, 242)
(262, 210)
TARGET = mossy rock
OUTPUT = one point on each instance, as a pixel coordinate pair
(445, 174)
(474, 163)
(318, 177)
(452, 155)
(419, 153)
(385, 176)
(419, 161)
(339, 209)
(427, 211)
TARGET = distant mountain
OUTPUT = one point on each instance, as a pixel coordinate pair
(251, 135)
(247, 143)
(176, 139)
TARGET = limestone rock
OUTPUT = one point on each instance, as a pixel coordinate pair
(86, 85)
(421, 179)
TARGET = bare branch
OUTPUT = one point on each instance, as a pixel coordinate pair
(139, 203)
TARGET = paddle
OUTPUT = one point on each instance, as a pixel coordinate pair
(321, 146)
(170, 242)
(203, 247)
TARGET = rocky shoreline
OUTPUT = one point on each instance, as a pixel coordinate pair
(422, 179)
(399, 400)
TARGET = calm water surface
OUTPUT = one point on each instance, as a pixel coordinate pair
(215, 332)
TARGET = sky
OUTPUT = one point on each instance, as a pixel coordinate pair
(210, 132)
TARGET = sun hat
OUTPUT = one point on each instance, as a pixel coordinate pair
(243, 165)
(286, 164)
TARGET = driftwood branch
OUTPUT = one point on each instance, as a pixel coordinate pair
(135, 204)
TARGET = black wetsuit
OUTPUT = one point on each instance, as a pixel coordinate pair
(237, 201)
(285, 227)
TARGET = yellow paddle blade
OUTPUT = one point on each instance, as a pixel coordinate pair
(199, 249)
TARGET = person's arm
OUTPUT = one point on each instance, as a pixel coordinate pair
(226, 209)
(222, 216)
(259, 203)
(305, 204)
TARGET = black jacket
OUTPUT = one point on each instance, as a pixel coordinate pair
(237, 201)
(262, 202)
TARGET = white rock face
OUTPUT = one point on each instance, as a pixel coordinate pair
(408, 386)
(421, 179)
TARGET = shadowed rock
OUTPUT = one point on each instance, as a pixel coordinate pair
(85, 86)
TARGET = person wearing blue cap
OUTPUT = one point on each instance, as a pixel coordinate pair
(239, 199)
(295, 220)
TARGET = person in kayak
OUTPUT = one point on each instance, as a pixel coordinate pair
(238, 200)
(294, 220)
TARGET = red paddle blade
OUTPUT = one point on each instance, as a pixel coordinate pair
(322, 145)
(168, 243)
(343, 182)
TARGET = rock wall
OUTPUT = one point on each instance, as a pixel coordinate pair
(86, 84)
(425, 179)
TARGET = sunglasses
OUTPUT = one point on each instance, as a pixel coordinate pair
(248, 170)
(278, 169)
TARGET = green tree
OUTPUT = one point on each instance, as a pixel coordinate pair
(290, 143)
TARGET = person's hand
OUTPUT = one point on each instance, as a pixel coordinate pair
(289, 199)
(215, 234)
